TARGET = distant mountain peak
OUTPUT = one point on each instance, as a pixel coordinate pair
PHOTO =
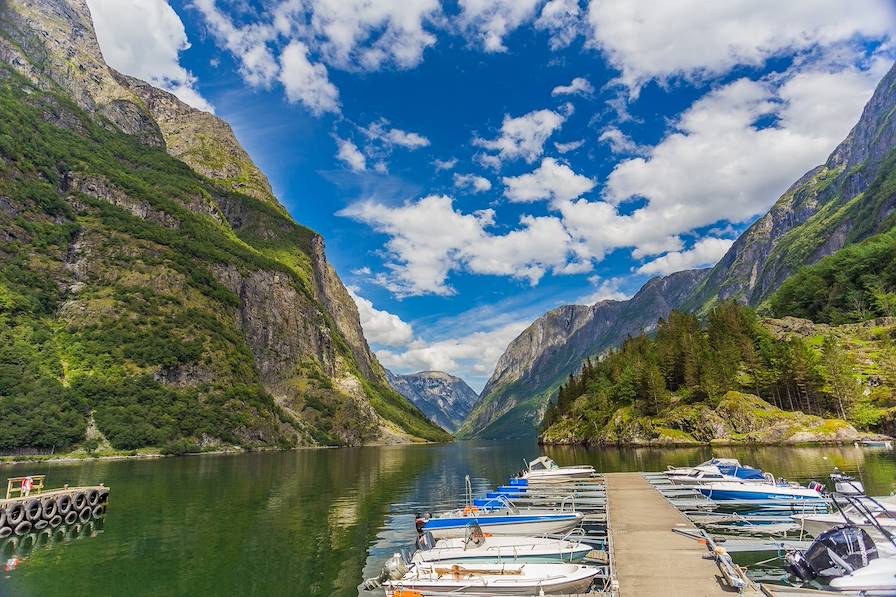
(446, 399)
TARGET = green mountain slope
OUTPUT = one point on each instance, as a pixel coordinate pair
(143, 303)
(700, 383)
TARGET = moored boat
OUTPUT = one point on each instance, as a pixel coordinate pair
(494, 579)
(717, 474)
(543, 469)
(476, 547)
(506, 521)
(759, 491)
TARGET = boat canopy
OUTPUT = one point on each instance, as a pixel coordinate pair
(542, 463)
(746, 473)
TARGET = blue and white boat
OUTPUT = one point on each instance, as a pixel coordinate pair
(760, 491)
(683, 471)
(508, 520)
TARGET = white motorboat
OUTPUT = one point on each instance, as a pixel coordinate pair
(848, 560)
(493, 579)
(477, 548)
(877, 578)
(543, 469)
(869, 514)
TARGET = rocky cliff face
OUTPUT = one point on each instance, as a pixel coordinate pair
(819, 214)
(218, 259)
(556, 344)
(444, 398)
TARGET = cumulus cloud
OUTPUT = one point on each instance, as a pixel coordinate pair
(552, 180)
(445, 164)
(705, 252)
(306, 82)
(477, 184)
(144, 39)
(488, 22)
(643, 40)
(562, 20)
(620, 143)
(604, 290)
(381, 327)
(568, 147)
(349, 154)
(429, 238)
(522, 137)
(578, 86)
(471, 356)
(381, 131)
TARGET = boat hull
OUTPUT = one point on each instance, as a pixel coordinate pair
(498, 550)
(510, 524)
(560, 579)
(756, 491)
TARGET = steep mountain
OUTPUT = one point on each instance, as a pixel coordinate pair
(152, 289)
(827, 208)
(556, 344)
(444, 398)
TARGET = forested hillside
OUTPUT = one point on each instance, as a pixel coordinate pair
(143, 303)
(733, 377)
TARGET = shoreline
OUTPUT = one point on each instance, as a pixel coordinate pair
(719, 443)
(69, 457)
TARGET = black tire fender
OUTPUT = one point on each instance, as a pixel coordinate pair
(23, 528)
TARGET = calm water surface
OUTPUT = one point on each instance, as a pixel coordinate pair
(314, 522)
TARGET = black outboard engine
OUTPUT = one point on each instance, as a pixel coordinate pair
(837, 552)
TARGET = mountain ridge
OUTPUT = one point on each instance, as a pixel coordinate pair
(820, 213)
(444, 398)
(203, 256)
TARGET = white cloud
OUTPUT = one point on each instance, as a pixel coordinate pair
(248, 44)
(445, 164)
(381, 327)
(490, 21)
(604, 290)
(552, 180)
(620, 142)
(369, 34)
(522, 137)
(705, 252)
(306, 82)
(562, 20)
(477, 184)
(578, 86)
(144, 38)
(748, 165)
(568, 147)
(696, 39)
(350, 155)
(428, 239)
(380, 131)
(471, 356)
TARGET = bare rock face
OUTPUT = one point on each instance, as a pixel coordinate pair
(556, 344)
(444, 398)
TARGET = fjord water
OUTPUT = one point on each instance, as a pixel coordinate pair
(315, 522)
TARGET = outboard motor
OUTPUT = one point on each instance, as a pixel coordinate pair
(395, 567)
(837, 552)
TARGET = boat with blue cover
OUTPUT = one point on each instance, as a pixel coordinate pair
(725, 491)
(504, 521)
(722, 473)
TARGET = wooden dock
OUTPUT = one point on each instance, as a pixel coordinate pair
(648, 558)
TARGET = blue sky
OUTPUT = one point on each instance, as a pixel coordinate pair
(473, 164)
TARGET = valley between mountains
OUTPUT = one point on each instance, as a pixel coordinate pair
(156, 296)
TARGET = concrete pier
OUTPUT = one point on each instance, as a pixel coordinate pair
(648, 558)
